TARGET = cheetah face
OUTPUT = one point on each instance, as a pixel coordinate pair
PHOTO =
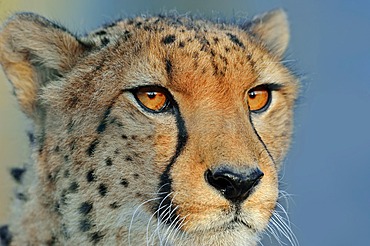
(161, 130)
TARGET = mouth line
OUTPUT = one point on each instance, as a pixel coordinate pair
(237, 221)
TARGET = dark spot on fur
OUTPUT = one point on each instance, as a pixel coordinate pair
(99, 33)
(85, 208)
(212, 52)
(66, 158)
(139, 24)
(181, 44)
(5, 236)
(116, 151)
(21, 196)
(249, 56)
(108, 161)
(216, 40)
(65, 231)
(102, 189)
(233, 38)
(147, 28)
(70, 126)
(124, 182)
(72, 145)
(224, 59)
(123, 136)
(128, 158)
(73, 187)
(114, 205)
(52, 241)
(103, 124)
(133, 137)
(138, 194)
(66, 173)
(85, 225)
(116, 122)
(90, 151)
(227, 49)
(17, 173)
(57, 207)
(90, 176)
(57, 149)
(31, 138)
(63, 198)
(96, 237)
(168, 67)
(169, 39)
(136, 176)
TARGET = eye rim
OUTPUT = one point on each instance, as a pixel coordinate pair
(267, 87)
(154, 88)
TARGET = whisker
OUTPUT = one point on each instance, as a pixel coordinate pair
(134, 215)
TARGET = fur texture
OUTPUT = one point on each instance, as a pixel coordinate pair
(106, 170)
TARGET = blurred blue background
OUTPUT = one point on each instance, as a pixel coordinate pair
(328, 169)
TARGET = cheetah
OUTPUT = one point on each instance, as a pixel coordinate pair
(153, 130)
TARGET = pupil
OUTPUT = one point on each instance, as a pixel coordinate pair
(252, 94)
(151, 95)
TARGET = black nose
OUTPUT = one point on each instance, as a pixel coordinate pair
(234, 185)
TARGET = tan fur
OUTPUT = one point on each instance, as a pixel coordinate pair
(102, 162)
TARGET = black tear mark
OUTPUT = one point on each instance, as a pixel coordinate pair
(85, 208)
(90, 151)
(102, 189)
(17, 174)
(90, 176)
(169, 39)
(235, 40)
(103, 124)
(168, 67)
(5, 236)
(165, 185)
(85, 225)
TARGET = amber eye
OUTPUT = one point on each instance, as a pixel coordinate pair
(152, 99)
(259, 98)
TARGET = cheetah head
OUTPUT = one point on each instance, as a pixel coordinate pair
(164, 130)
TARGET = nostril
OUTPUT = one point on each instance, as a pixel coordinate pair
(220, 182)
(234, 185)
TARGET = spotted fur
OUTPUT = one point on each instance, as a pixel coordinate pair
(108, 172)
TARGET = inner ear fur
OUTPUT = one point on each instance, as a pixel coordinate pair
(33, 52)
(272, 28)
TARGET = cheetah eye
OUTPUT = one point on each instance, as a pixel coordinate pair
(153, 99)
(259, 98)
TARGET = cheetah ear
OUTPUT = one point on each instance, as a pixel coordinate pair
(34, 52)
(273, 29)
